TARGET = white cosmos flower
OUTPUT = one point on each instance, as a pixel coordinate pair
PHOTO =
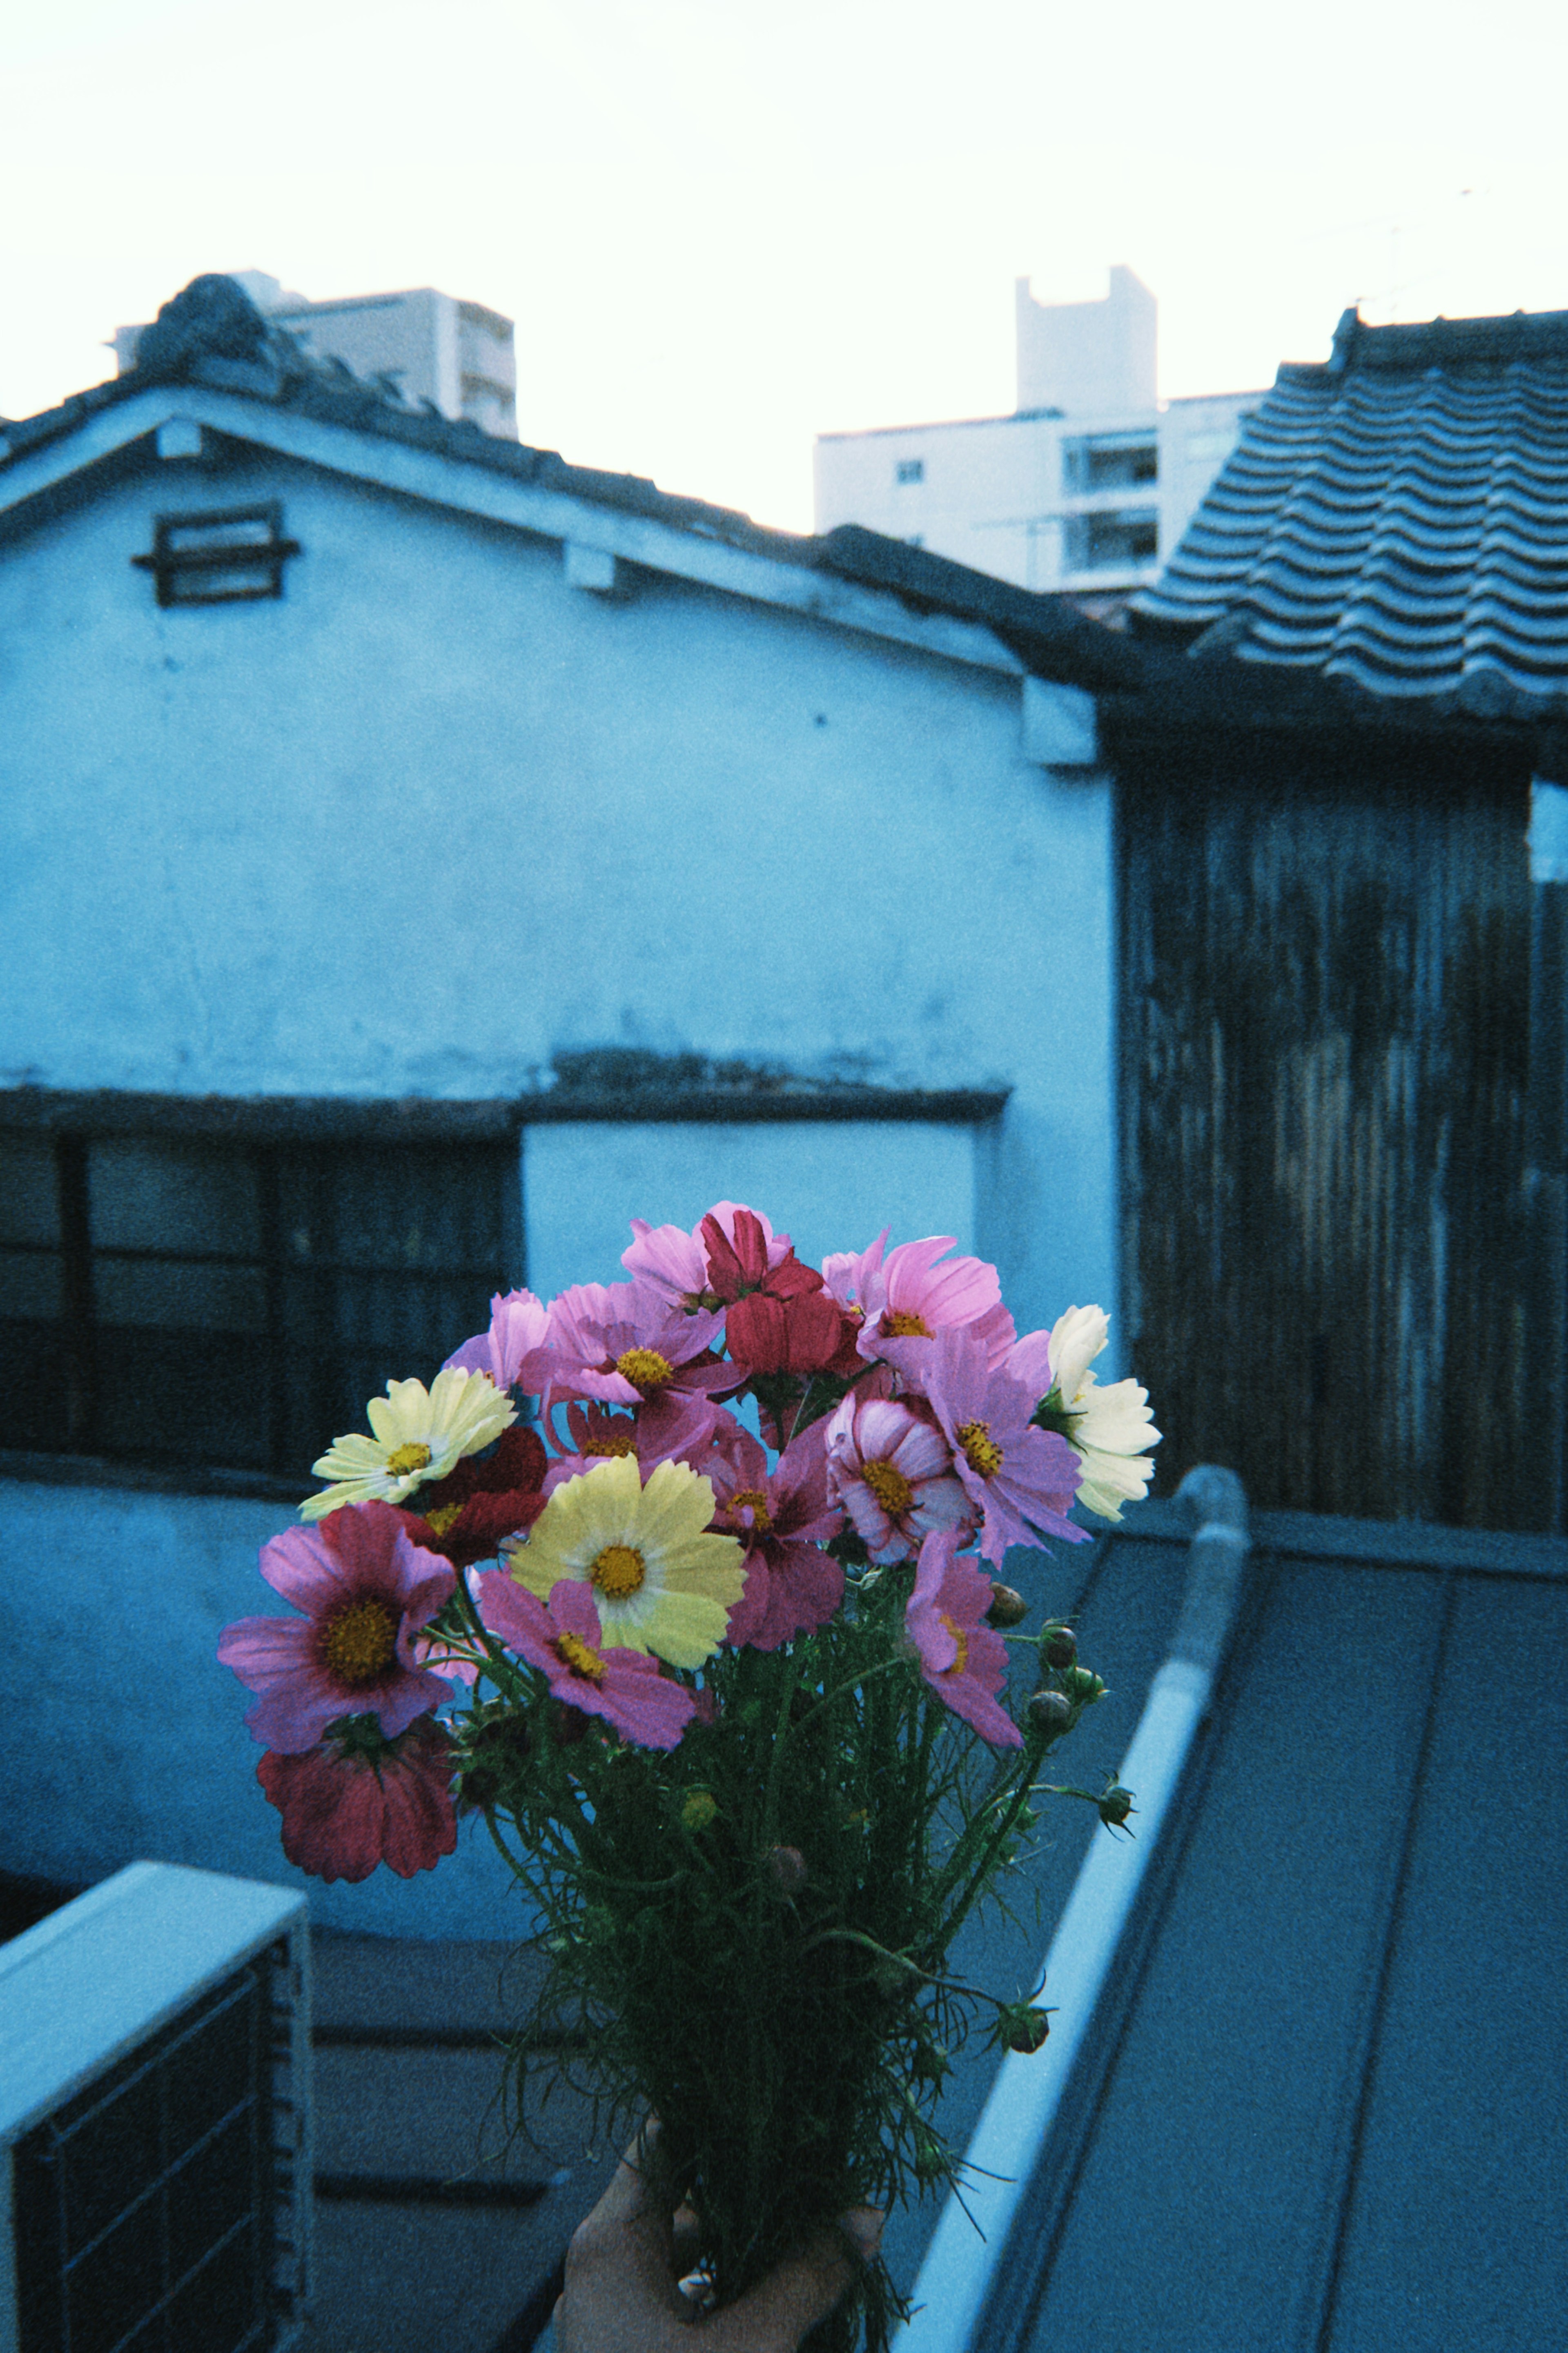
(1109, 1428)
(419, 1434)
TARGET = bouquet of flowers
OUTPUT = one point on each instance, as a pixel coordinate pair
(732, 1697)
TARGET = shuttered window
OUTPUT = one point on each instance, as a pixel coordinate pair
(170, 1300)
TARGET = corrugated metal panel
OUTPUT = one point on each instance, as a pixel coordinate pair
(1325, 1032)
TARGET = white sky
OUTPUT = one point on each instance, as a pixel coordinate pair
(724, 226)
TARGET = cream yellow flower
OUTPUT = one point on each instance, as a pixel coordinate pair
(419, 1434)
(1108, 1428)
(660, 1580)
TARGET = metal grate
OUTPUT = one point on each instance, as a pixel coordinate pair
(145, 2208)
(228, 1303)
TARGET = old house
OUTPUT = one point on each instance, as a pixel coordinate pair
(1342, 1093)
(422, 855)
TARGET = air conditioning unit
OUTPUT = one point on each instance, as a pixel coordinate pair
(155, 2144)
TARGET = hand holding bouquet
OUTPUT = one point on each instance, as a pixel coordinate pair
(734, 1700)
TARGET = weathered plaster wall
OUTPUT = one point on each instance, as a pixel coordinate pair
(433, 818)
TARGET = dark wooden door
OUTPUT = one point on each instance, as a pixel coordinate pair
(1324, 1023)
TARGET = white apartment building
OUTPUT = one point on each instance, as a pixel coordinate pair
(458, 355)
(1086, 488)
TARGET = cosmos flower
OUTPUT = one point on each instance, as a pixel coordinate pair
(910, 1296)
(1022, 1478)
(565, 1636)
(628, 1344)
(366, 1591)
(661, 1581)
(676, 1263)
(1108, 1428)
(783, 1517)
(419, 1434)
(892, 1472)
(467, 1515)
(964, 1661)
(513, 1351)
(359, 1799)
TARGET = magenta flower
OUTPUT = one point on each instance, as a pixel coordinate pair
(1021, 1478)
(964, 1661)
(676, 1263)
(514, 1351)
(628, 1344)
(358, 1801)
(365, 1589)
(909, 1298)
(893, 1475)
(783, 1518)
(564, 1636)
(675, 1428)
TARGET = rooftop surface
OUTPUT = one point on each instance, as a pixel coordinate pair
(1395, 521)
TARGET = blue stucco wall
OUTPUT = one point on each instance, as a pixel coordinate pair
(432, 818)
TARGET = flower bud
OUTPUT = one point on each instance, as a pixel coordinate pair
(698, 1809)
(1059, 1648)
(786, 1869)
(1021, 2027)
(1050, 1713)
(1082, 1687)
(931, 2062)
(1008, 1607)
(1115, 1804)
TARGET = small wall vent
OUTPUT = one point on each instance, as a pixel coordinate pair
(155, 2120)
(229, 556)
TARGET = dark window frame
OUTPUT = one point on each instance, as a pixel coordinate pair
(218, 571)
(299, 1361)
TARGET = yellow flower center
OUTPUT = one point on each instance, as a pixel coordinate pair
(620, 1571)
(617, 1443)
(442, 1517)
(580, 1658)
(902, 1325)
(404, 1458)
(962, 1639)
(645, 1368)
(760, 1518)
(359, 1641)
(889, 1486)
(983, 1452)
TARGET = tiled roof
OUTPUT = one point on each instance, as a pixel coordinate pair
(1396, 521)
(213, 336)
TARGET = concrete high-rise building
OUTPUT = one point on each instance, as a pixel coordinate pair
(458, 355)
(1086, 488)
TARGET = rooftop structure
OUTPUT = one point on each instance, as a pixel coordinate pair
(457, 357)
(1084, 489)
(1392, 522)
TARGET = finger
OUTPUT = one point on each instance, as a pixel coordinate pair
(774, 2315)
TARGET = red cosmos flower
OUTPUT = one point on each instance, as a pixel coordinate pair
(359, 1799)
(791, 1587)
(467, 1515)
(750, 1261)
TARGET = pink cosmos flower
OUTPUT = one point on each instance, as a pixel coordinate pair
(676, 1263)
(893, 1475)
(514, 1351)
(908, 1298)
(1022, 1479)
(964, 1661)
(849, 1274)
(356, 1801)
(675, 1428)
(365, 1589)
(783, 1518)
(627, 1343)
(565, 1637)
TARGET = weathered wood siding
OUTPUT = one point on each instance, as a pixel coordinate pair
(1325, 980)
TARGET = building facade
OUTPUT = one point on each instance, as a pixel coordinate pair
(1085, 489)
(426, 855)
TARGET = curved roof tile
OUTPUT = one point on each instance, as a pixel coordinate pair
(1396, 518)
